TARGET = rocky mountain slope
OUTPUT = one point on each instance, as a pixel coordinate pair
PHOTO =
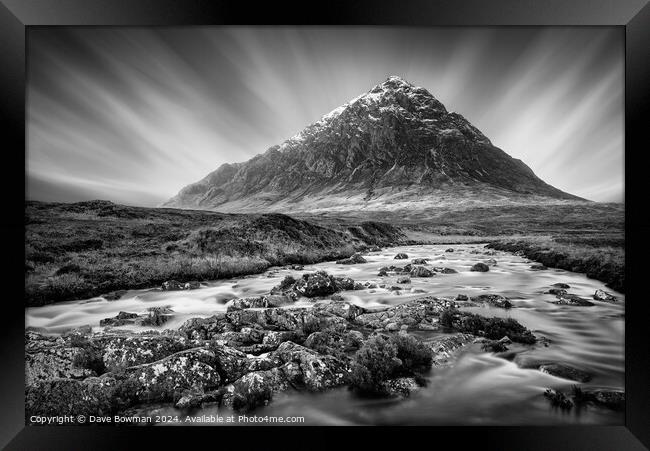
(395, 147)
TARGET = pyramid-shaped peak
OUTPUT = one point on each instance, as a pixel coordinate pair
(395, 81)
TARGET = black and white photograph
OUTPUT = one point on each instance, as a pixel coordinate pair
(325, 225)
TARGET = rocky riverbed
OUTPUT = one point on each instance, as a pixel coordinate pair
(410, 335)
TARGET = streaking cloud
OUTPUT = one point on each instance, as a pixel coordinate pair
(132, 115)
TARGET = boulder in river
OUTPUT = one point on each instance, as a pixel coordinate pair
(404, 279)
(565, 372)
(561, 285)
(451, 249)
(493, 299)
(414, 314)
(480, 267)
(401, 256)
(174, 285)
(538, 267)
(421, 271)
(114, 295)
(316, 284)
(354, 259)
(444, 270)
(462, 297)
(601, 295)
(420, 261)
(272, 300)
(612, 399)
(573, 299)
(121, 319)
(557, 291)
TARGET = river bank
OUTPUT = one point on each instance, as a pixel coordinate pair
(76, 251)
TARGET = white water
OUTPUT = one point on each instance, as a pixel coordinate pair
(479, 389)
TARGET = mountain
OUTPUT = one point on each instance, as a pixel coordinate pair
(395, 147)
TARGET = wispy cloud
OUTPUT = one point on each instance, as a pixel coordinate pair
(133, 115)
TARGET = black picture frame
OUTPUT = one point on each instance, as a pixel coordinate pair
(17, 15)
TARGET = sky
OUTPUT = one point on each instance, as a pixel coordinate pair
(133, 115)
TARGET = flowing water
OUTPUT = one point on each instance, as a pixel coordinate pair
(480, 388)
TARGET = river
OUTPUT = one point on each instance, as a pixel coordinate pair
(479, 389)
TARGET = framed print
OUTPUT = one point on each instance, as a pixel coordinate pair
(425, 215)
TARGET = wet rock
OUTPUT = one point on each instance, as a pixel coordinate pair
(421, 271)
(382, 273)
(561, 285)
(557, 291)
(191, 400)
(401, 256)
(612, 399)
(480, 267)
(496, 346)
(395, 288)
(273, 300)
(558, 399)
(121, 319)
(404, 279)
(344, 283)
(419, 313)
(444, 347)
(601, 295)
(444, 270)
(565, 372)
(283, 318)
(572, 299)
(462, 297)
(359, 286)
(254, 389)
(297, 267)
(299, 367)
(493, 328)
(353, 260)
(316, 284)
(155, 316)
(191, 285)
(406, 269)
(114, 295)
(172, 285)
(538, 267)
(451, 249)
(493, 299)
(420, 261)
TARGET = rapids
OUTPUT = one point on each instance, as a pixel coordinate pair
(479, 388)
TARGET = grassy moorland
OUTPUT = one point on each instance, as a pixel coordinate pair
(599, 257)
(85, 249)
(75, 251)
